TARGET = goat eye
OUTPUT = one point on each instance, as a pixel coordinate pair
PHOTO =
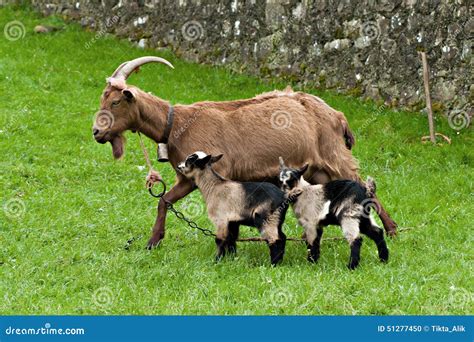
(115, 103)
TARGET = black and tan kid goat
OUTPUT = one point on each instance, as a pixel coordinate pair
(341, 202)
(231, 204)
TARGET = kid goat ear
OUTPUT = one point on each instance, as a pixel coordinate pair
(215, 159)
(282, 163)
(203, 161)
(303, 169)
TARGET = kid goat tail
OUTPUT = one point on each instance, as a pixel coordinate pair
(371, 187)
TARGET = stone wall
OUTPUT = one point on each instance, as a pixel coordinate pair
(367, 47)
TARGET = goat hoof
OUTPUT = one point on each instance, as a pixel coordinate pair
(275, 263)
(391, 228)
(232, 250)
(313, 258)
(153, 244)
(353, 265)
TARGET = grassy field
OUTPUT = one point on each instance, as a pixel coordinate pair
(68, 208)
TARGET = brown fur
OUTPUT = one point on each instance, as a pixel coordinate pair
(236, 127)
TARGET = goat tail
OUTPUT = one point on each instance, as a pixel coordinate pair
(348, 135)
(371, 187)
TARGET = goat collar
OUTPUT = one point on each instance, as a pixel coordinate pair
(169, 125)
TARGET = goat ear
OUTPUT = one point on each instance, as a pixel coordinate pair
(203, 161)
(128, 94)
(282, 163)
(303, 169)
(215, 159)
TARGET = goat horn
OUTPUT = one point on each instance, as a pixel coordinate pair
(118, 69)
(125, 69)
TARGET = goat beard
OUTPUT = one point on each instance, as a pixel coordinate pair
(117, 146)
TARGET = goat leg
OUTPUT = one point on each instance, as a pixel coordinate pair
(182, 188)
(231, 244)
(389, 224)
(222, 237)
(277, 249)
(315, 247)
(355, 253)
(221, 249)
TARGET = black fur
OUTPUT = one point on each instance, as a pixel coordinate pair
(375, 234)
(314, 249)
(355, 253)
(277, 249)
(256, 193)
(337, 192)
(261, 200)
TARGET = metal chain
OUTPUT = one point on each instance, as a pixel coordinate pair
(178, 214)
(190, 223)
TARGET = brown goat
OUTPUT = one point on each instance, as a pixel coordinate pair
(249, 132)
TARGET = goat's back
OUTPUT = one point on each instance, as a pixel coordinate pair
(253, 133)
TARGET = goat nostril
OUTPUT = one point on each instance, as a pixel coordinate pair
(95, 131)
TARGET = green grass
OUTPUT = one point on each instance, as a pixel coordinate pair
(63, 254)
